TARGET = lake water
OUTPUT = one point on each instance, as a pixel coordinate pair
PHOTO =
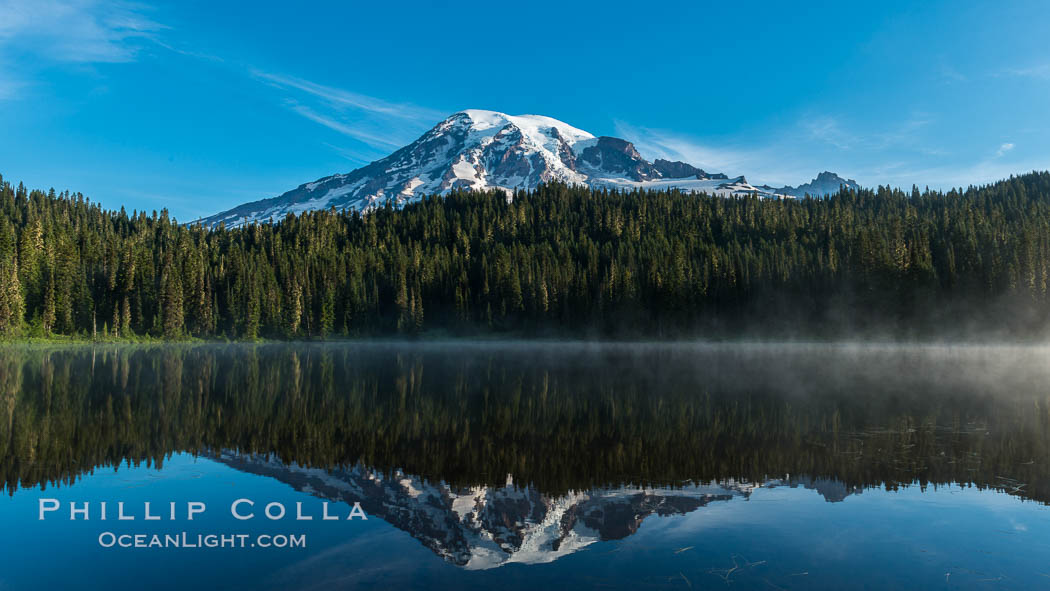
(525, 466)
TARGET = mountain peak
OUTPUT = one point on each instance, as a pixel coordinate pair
(826, 183)
(482, 120)
(681, 170)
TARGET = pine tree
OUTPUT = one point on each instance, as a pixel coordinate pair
(48, 316)
(293, 307)
(172, 308)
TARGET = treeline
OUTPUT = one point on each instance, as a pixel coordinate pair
(559, 260)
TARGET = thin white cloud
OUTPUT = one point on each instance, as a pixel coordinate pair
(658, 143)
(188, 52)
(829, 130)
(354, 156)
(1040, 71)
(348, 99)
(80, 31)
(950, 74)
(9, 85)
(777, 162)
(905, 133)
(67, 31)
(895, 157)
(343, 128)
(379, 124)
(376, 123)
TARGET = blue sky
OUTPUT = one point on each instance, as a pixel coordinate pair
(198, 106)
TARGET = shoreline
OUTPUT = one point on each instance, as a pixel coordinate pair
(512, 341)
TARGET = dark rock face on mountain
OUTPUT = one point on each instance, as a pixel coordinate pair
(826, 183)
(681, 170)
(476, 150)
(618, 157)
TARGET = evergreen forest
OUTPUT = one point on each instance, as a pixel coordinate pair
(558, 261)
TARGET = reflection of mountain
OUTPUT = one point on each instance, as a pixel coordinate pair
(833, 491)
(487, 527)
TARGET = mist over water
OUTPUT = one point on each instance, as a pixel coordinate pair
(494, 456)
(553, 414)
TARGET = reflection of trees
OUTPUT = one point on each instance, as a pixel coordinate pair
(559, 420)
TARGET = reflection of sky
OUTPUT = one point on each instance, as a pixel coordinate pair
(903, 539)
(72, 545)
(781, 537)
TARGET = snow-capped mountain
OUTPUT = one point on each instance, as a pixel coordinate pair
(487, 527)
(477, 149)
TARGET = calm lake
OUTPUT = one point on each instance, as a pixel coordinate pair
(525, 466)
